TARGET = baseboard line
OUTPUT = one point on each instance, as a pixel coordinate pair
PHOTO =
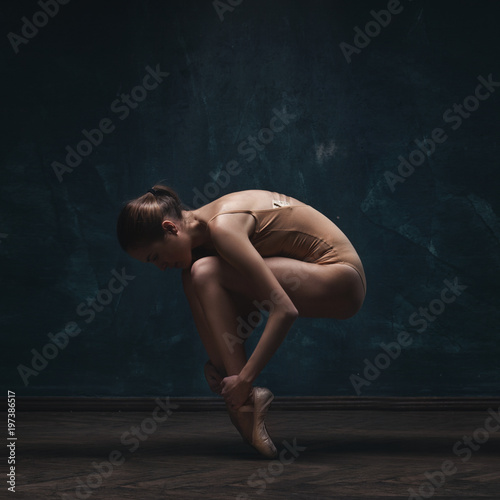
(339, 403)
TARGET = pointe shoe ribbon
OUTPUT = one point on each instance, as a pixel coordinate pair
(249, 420)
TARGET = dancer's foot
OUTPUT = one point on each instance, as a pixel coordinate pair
(249, 420)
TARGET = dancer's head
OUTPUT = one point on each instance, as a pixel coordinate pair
(150, 229)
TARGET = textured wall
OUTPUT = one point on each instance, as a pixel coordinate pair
(425, 226)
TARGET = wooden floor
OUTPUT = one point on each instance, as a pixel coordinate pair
(340, 454)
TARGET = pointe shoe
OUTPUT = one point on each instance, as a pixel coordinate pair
(249, 420)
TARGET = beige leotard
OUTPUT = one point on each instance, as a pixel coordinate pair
(300, 232)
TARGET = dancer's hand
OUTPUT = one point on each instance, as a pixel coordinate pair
(235, 391)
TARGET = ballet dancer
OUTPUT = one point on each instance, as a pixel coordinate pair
(246, 253)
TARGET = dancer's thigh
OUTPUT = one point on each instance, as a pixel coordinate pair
(331, 291)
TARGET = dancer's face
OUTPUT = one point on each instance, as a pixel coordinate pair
(173, 251)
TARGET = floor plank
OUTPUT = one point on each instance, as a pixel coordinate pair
(341, 454)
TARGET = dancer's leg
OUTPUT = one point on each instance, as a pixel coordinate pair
(221, 354)
(322, 291)
(214, 288)
(218, 294)
(317, 290)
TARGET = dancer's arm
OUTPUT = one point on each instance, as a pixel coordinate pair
(231, 240)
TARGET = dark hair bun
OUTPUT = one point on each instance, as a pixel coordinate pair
(140, 220)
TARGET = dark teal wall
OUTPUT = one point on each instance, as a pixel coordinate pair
(349, 122)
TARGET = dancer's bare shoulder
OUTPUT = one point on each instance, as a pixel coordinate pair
(251, 199)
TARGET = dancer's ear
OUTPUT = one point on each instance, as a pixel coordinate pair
(169, 226)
